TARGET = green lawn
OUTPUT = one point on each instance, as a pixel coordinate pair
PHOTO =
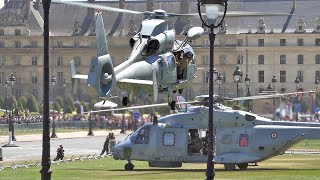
(285, 167)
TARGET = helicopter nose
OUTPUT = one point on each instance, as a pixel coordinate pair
(122, 151)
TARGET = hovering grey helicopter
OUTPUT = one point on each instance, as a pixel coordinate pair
(241, 137)
(158, 62)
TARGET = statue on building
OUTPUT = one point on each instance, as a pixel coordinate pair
(250, 29)
(187, 27)
(92, 28)
(301, 26)
(261, 26)
(317, 28)
(132, 26)
(76, 28)
(272, 28)
(223, 28)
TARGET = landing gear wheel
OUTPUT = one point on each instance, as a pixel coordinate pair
(173, 105)
(125, 101)
(229, 167)
(128, 167)
(180, 91)
(243, 166)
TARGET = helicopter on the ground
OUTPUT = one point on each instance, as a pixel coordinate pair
(241, 138)
(158, 63)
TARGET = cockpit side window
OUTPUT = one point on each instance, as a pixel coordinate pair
(143, 136)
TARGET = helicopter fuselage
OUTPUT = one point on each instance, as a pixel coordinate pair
(241, 138)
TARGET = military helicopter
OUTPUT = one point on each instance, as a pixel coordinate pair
(242, 137)
(158, 63)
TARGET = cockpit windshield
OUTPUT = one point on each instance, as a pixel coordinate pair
(141, 136)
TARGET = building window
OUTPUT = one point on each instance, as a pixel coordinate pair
(282, 76)
(1, 44)
(2, 60)
(317, 75)
(205, 76)
(261, 59)
(34, 44)
(317, 59)
(17, 44)
(59, 44)
(260, 42)
(300, 42)
(283, 59)
(59, 61)
(205, 43)
(17, 32)
(283, 42)
(34, 79)
(317, 42)
(300, 75)
(17, 60)
(260, 76)
(239, 42)
(239, 59)
(60, 77)
(300, 59)
(205, 59)
(2, 77)
(1, 32)
(34, 60)
(223, 59)
(77, 61)
(76, 44)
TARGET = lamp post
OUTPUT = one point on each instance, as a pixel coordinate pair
(6, 85)
(53, 83)
(237, 77)
(45, 161)
(247, 80)
(220, 80)
(212, 13)
(64, 86)
(317, 82)
(12, 81)
(274, 80)
(297, 81)
(90, 133)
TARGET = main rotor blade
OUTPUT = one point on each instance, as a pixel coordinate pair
(98, 7)
(235, 14)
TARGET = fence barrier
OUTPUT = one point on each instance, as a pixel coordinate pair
(65, 160)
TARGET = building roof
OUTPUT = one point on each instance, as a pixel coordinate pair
(63, 18)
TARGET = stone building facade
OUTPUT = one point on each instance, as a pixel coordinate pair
(262, 47)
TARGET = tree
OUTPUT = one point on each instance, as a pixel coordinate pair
(69, 102)
(32, 104)
(85, 106)
(92, 103)
(59, 100)
(67, 108)
(1, 102)
(57, 106)
(23, 102)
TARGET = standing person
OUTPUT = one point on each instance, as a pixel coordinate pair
(60, 153)
(106, 145)
(112, 141)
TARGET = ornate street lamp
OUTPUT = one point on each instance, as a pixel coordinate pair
(220, 81)
(90, 133)
(12, 81)
(237, 77)
(53, 83)
(212, 12)
(45, 161)
(274, 80)
(247, 80)
(317, 82)
(297, 81)
(65, 86)
(6, 85)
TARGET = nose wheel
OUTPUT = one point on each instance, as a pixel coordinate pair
(129, 166)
